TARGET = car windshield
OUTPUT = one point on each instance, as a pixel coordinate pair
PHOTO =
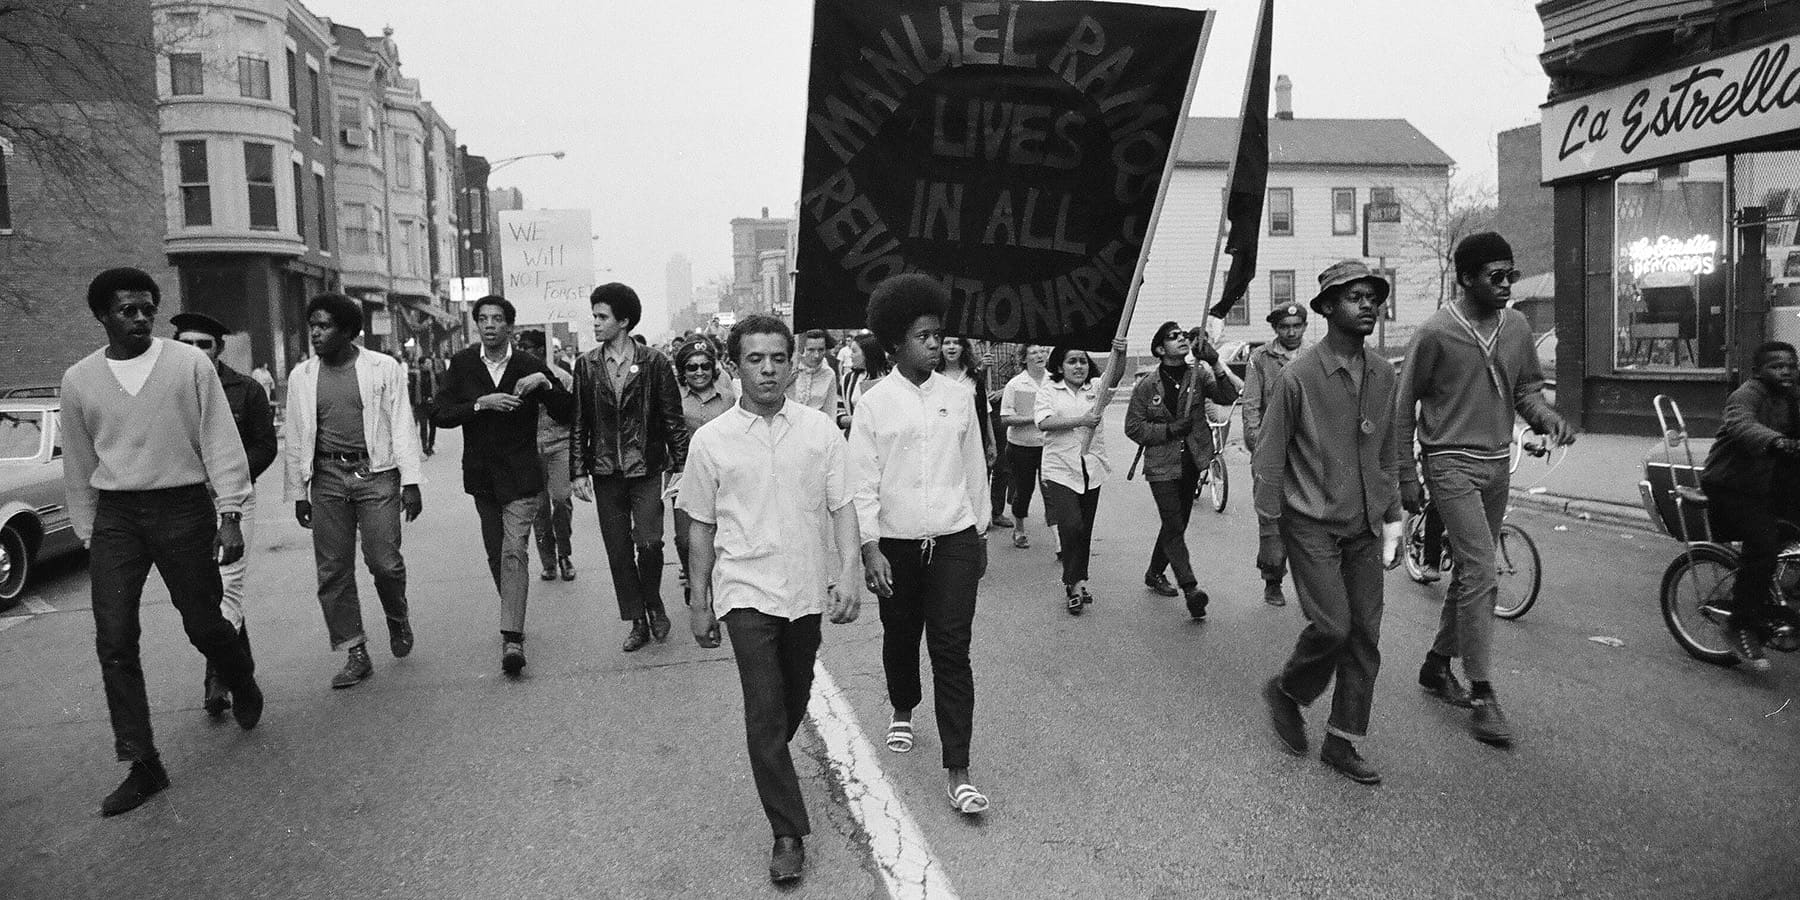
(21, 434)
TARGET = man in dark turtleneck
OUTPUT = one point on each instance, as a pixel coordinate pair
(1167, 417)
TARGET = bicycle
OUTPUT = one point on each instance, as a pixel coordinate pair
(1216, 480)
(1701, 579)
(1519, 566)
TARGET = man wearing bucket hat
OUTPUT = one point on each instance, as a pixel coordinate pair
(1471, 366)
(255, 420)
(1327, 498)
(1260, 378)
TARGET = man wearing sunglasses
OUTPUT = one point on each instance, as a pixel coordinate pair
(1471, 366)
(255, 420)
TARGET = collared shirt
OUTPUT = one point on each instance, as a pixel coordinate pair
(916, 464)
(617, 366)
(1067, 452)
(1260, 378)
(1327, 450)
(496, 370)
(816, 388)
(1020, 399)
(769, 485)
(701, 408)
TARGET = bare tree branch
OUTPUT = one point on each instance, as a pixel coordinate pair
(1437, 219)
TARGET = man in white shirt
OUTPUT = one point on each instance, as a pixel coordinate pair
(773, 547)
(353, 465)
(918, 474)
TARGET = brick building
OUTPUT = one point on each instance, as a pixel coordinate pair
(87, 195)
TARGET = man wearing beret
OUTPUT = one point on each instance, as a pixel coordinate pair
(1266, 363)
(1471, 366)
(703, 398)
(1327, 499)
(255, 420)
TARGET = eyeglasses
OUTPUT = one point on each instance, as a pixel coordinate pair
(697, 367)
(202, 343)
(1503, 277)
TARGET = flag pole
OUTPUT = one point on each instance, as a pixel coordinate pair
(1231, 170)
(1162, 190)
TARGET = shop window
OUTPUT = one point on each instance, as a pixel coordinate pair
(1281, 211)
(1670, 271)
(1771, 181)
(259, 174)
(184, 73)
(1281, 287)
(253, 77)
(1343, 210)
(196, 190)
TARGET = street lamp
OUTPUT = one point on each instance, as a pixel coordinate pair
(495, 165)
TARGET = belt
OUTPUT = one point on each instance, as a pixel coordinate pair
(342, 457)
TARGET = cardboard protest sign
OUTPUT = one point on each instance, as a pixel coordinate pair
(548, 257)
(1013, 150)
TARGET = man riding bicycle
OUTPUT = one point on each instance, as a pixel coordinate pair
(1752, 480)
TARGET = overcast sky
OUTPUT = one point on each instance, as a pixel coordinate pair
(678, 116)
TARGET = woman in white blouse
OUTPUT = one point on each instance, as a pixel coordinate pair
(1069, 408)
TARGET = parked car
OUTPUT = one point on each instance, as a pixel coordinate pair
(35, 390)
(34, 515)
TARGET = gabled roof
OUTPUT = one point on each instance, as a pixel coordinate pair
(1316, 142)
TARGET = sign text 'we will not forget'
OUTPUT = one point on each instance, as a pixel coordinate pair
(548, 261)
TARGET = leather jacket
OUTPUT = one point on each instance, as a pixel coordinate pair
(633, 433)
(254, 416)
(1147, 421)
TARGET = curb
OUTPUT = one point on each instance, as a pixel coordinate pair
(1597, 511)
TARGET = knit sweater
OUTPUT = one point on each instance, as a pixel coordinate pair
(177, 431)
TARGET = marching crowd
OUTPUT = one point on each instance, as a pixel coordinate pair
(798, 484)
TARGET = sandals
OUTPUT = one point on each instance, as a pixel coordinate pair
(1020, 540)
(900, 736)
(965, 799)
(1075, 601)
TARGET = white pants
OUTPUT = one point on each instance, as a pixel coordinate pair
(232, 604)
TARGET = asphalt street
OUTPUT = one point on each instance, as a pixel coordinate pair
(1127, 751)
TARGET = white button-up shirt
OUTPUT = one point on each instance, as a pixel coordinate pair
(496, 370)
(1063, 456)
(769, 485)
(917, 469)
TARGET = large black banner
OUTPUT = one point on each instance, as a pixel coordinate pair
(1013, 150)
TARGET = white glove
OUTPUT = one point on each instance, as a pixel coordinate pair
(1391, 533)
(1215, 329)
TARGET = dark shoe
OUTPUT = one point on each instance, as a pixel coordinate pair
(568, 568)
(659, 624)
(1284, 714)
(1073, 602)
(1196, 604)
(786, 860)
(247, 703)
(218, 699)
(147, 777)
(1160, 584)
(1272, 594)
(1489, 722)
(549, 573)
(400, 638)
(1747, 647)
(1438, 681)
(639, 636)
(1342, 756)
(1001, 521)
(356, 668)
(512, 657)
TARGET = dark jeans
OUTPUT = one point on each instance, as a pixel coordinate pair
(775, 665)
(173, 529)
(1756, 520)
(1338, 577)
(1022, 464)
(1073, 515)
(344, 506)
(934, 596)
(427, 430)
(1175, 506)
(628, 507)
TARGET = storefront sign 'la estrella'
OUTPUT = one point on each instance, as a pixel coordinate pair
(1749, 94)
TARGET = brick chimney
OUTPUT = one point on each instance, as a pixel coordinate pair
(1284, 97)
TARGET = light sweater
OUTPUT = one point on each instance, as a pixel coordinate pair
(176, 432)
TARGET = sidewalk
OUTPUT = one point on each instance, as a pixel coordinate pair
(1596, 481)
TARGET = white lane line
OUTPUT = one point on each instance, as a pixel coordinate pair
(34, 607)
(895, 841)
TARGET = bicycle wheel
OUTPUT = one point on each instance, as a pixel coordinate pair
(1703, 575)
(1520, 572)
(1414, 547)
(1218, 483)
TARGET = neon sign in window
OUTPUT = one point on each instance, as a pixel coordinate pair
(1697, 255)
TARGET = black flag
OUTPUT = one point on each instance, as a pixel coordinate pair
(1249, 172)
